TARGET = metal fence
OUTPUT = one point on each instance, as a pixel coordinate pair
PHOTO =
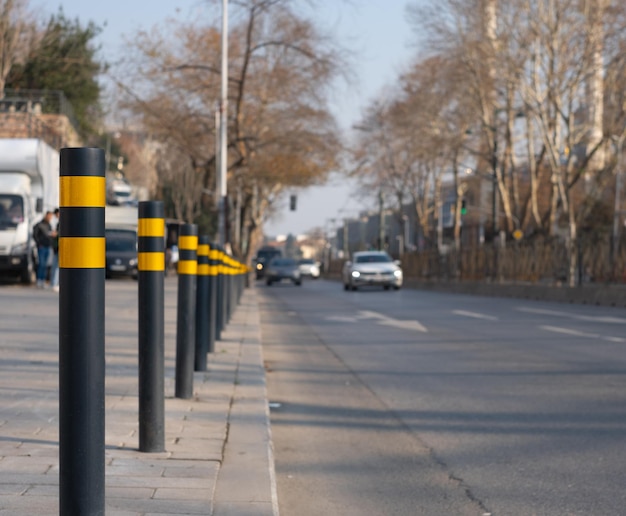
(537, 261)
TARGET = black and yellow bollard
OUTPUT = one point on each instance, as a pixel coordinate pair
(219, 294)
(213, 272)
(151, 270)
(202, 305)
(186, 313)
(228, 294)
(81, 332)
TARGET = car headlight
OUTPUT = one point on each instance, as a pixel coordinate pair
(397, 273)
(356, 274)
(19, 249)
(259, 266)
(132, 262)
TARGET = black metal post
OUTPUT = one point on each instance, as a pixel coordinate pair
(228, 288)
(219, 295)
(81, 332)
(213, 271)
(202, 305)
(224, 291)
(151, 267)
(186, 313)
(494, 202)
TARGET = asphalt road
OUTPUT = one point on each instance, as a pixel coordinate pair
(425, 403)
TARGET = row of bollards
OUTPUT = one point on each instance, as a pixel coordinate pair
(210, 284)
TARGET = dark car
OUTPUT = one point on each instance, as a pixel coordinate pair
(263, 257)
(121, 252)
(283, 269)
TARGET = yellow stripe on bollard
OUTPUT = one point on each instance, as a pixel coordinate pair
(151, 228)
(82, 252)
(187, 266)
(82, 191)
(151, 261)
(188, 242)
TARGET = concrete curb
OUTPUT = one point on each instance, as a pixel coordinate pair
(246, 483)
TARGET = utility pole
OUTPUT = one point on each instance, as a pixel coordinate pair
(223, 159)
(617, 204)
(381, 219)
(494, 195)
(405, 227)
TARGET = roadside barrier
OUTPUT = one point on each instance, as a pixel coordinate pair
(210, 285)
(219, 309)
(185, 322)
(151, 271)
(202, 305)
(81, 332)
(230, 281)
(213, 278)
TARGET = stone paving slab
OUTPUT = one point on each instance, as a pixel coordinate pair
(218, 456)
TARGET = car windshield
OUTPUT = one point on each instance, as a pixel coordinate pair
(121, 241)
(372, 258)
(266, 255)
(11, 210)
(283, 262)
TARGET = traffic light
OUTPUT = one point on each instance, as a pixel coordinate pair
(463, 207)
(293, 199)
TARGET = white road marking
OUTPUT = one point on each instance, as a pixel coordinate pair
(475, 315)
(396, 323)
(341, 318)
(569, 331)
(541, 311)
(591, 318)
(366, 314)
(576, 333)
(381, 319)
(405, 325)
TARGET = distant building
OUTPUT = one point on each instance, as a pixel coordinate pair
(43, 114)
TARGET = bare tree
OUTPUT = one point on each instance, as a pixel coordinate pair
(545, 60)
(281, 133)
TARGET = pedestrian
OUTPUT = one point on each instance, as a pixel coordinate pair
(43, 235)
(54, 270)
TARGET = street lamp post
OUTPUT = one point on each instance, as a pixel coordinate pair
(494, 193)
(617, 203)
(381, 220)
(405, 223)
(223, 154)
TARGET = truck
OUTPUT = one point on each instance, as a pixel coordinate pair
(119, 193)
(29, 186)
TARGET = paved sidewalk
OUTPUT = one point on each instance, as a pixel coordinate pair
(218, 459)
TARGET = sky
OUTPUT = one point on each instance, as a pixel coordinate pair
(375, 32)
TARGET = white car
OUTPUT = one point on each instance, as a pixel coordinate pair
(371, 268)
(309, 267)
